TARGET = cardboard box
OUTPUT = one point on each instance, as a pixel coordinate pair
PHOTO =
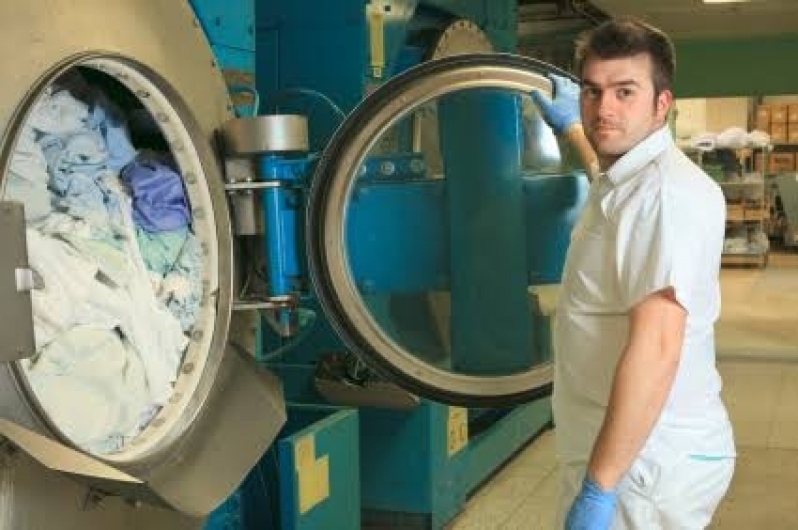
(778, 162)
(755, 214)
(792, 133)
(782, 162)
(778, 114)
(763, 113)
(792, 113)
(735, 212)
(778, 133)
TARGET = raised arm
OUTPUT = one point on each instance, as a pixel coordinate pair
(563, 116)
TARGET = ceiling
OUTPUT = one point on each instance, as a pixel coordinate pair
(683, 19)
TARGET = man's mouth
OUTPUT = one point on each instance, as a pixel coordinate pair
(604, 127)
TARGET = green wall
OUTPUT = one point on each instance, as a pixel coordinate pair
(737, 67)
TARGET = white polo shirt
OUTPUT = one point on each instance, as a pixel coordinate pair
(654, 220)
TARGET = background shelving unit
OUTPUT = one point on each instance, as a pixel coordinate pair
(747, 203)
(747, 210)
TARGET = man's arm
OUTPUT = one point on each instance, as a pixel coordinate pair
(563, 116)
(643, 379)
(575, 135)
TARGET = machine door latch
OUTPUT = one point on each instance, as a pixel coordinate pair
(16, 282)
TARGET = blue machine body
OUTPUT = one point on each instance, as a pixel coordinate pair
(393, 468)
(229, 26)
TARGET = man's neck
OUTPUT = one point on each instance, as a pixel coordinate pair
(605, 162)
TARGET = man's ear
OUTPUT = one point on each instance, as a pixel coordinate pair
(664, 102)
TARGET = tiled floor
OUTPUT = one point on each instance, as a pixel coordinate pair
(758, 359)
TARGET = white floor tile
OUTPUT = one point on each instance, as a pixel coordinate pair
(784, 430)
(751, 391)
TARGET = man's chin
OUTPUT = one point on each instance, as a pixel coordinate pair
(609, 149)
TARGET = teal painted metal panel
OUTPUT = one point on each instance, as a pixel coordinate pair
(227, 22)
(234, 59)
(319, 470)
(229, 27)
(736, 67)
(398, 450)
(488, 451)
(409, 479)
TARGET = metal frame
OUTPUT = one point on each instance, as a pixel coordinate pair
(330, 196)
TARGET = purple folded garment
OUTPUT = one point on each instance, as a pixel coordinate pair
(159, 200)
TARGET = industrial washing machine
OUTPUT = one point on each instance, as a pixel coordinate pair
(178, 278)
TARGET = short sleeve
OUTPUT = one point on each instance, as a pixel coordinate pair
(656, 249)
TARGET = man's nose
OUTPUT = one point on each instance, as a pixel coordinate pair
(606, 104)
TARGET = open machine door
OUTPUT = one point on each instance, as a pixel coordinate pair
(427, 271)
(121, 375)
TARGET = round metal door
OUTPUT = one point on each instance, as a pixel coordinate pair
(427, 273)
(116, 368)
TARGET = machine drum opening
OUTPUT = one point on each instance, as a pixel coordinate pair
(120, 283)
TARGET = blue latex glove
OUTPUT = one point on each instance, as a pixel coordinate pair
(563, 111)
(593, 508)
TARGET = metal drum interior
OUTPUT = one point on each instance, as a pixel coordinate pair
(121, 242)
(193, 448)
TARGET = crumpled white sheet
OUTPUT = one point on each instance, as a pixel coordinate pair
(759, 139)
(93, 384)
(732, 138)
(72, 296)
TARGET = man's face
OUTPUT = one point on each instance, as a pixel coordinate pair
(618, 104)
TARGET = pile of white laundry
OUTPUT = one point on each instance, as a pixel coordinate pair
(729, 138)
(114, 300)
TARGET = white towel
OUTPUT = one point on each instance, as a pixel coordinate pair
(733, 138)
(703, 141)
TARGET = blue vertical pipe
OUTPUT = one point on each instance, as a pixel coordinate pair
(281, 213)
(481, 143)
(275, 240)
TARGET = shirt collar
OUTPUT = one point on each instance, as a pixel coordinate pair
(638, 156)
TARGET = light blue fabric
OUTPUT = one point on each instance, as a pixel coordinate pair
(182, 287)
(58, 112)
(27, 177)
(593, 508)
(159, 200)
(79, 178)
(107, 120)
(563, 111)
(160, 250)
(79, 152)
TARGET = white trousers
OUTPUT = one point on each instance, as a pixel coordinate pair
(681, 495)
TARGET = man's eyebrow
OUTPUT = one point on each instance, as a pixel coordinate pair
(624, 82)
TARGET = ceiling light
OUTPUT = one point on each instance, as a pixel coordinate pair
(725, 1)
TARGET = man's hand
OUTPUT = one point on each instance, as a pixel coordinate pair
(563, 111)
(593, 508)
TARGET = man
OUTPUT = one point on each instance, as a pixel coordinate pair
(643, 437)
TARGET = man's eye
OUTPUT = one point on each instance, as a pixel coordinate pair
(624, 93)
(590, 93)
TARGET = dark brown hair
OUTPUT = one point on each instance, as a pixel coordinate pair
(626, 37)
